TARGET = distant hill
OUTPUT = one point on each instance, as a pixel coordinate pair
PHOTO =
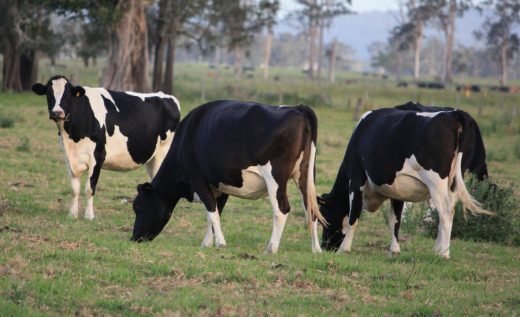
(361, 29)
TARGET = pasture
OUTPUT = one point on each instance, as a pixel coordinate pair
(53, 265)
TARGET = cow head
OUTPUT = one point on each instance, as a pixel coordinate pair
(152, 212)
(61, 95)
(334, 212)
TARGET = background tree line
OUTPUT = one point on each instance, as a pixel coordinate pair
(139, 37)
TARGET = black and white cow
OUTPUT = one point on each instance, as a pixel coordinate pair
(404, 155)
(113, 130)
(242, 149)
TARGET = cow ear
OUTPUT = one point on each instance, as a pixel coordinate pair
(146, 188)
(78, 91)
(39, 89)
(321, 201)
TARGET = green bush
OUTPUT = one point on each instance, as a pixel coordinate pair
(7, 119)
(25, 145)
(503, 228)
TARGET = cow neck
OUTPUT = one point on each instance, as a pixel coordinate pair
(339, 191)
(165, 183)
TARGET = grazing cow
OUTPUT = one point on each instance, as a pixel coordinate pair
(404, 155)
(234, 148)
(113, 130)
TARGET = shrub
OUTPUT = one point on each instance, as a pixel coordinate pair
(502, 228)
(25, 145)
(7, 119)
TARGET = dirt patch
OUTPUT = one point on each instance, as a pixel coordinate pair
(14, 267)
(9, 229)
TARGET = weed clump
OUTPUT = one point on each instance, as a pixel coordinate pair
(25, 145)
(503, 228)
(7, 119)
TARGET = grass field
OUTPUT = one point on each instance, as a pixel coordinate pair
(53, 265)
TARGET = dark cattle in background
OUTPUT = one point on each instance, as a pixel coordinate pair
(403, 155)
(504, 89)
(403, 84)
(234, 148)
(430, 85)
(113, 130)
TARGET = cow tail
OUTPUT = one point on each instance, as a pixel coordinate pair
(465, 197)
(312, 203)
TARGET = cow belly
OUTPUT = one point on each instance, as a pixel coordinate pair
(405, 188)
(253, 185)
(118, 157)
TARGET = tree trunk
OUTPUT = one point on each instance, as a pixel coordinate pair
(11, 51)
(239, 53)
(128, 55)
(504, 59)
(450, 28)
(167, 85)
(320, 48)
(312, 41)
(399, 65)
(417, 52)
(159, 46)
(267, 51)
(85, 61)
(332, 61)
(28, 69)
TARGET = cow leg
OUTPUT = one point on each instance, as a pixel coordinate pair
(350, 223)
(90, 186)
(444, 203)
(394, 222)
(277, 191)
(301, 182)
(209, 236)
(213, 215)
(75, 183)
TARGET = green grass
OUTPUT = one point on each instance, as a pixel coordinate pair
(53, 265)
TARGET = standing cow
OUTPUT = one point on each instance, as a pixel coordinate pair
(100, 128)
(234, 148)
(404, 155)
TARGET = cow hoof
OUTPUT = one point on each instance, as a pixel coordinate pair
(271, 249)
(72, 215)
(223, 245)
(206, 244)
(394, 252)
(342, 251)
(89, 217)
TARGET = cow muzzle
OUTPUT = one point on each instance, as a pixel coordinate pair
(57, 115)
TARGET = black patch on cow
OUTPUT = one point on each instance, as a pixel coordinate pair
(137, 120)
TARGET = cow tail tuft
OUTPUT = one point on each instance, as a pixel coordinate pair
(465, 197)
(312, 203)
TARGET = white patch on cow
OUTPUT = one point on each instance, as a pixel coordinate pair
(214, 219)
(430, 114)
(394, 245)
(58, 87)
(408, 185)
(196, 198)
(106, 94)
(349, 231)
(117, 156)
(209, 236)
(279, 218)
(161, 149)
(159, 94)
(361, 119)
(253, 184)
(97, 104)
